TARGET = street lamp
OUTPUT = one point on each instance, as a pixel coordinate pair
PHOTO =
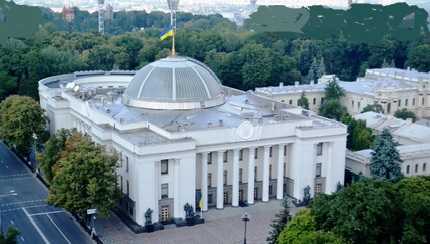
(245, 219)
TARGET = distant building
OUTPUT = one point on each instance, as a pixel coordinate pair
(182, 137)
(109, 12)
(392, 88)
(68, 14)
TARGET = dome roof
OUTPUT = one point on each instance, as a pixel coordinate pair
(174, 83)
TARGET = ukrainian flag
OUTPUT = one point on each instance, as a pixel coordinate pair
(166, 35)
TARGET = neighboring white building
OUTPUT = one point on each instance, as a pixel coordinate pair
(416, 160)
(181, 136)
(392, 88)
(404, 131)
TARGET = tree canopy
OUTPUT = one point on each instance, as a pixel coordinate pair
(84, 177)
(376, 107)
(385, 161)
(359, 136)
(20, 119)
(10, 237)
(303, 101)
(405, 114)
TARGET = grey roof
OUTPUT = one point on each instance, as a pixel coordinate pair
(174, 83)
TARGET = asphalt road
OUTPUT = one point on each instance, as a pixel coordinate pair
(23, 205)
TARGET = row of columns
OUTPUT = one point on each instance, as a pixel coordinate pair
(235, 175)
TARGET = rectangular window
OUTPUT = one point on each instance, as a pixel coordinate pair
(322, 100)
(255, 173)
(164, 167)
(270, 190)
(285, 170)
(241, 155)
(256, 153)
(319, 149)
(210, 198)
(408, 169)
(424, 167)
(126, 164)
(400, 102)
(164, 191)
(210, 158)
(240, 175)
(270, 151)
(209, 180)
(270, 171)
(352, 103)
(318, 188)
(291, 102)
(413, 101)
(225, 156)
(416, 168)
(423, 101)
(406, 102)
(128, 188)
(285, 150)
(314, 101)
(225, 177)
(318, 170)
(121, 184)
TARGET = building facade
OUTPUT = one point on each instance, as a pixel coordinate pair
(392, 88)
(182, 137)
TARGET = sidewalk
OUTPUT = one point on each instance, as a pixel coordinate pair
(221, 227)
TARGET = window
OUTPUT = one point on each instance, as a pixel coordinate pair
(423, 101)
(128, 188)
(291, 102)
(225, 155)
(314, 101)
(270, 171)
(240, 175)
(318, 170)
(225, 177)
(408, 169)
(416, 168)
(406, 102)
(319, 149)
(322, 100)
(164, 167)
(210, 198)
(359, 105)
(120, 183)
(424, 167)
(164, 191)
(318, 188)
(389, 108)
(210, 158)
(241, 155)
(352, 103)
(270, 151)
(256, 153)
(270, 190)
(285, 170)
(225, 197)
(400, 102)
(255, 173)
(120, 160)
(209, 180)
(285, 150)
(413, 101)
(126, 164)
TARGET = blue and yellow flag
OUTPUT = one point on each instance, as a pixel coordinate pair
(166, 35)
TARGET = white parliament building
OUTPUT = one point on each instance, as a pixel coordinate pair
(182, 137)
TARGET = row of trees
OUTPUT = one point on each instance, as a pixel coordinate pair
(369, 211)
(241, 59)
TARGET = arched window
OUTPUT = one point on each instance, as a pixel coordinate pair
(408, 168)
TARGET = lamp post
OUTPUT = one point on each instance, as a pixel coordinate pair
(245, 219)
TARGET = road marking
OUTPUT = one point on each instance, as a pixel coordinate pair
(56, 226)
(9, 194)
(47, 213)
(35, 226)
(23, 202)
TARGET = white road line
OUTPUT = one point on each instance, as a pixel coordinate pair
(46, 213)
(9, 194)
(23, 202)
(56, 226)
(36, 227)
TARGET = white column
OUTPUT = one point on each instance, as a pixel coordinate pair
(220, 181)
(302, 166)
(251, 166)
(280, 179)
(336, 164)
(204, 186)
(177, 210)
(266, 174)
(235, 183)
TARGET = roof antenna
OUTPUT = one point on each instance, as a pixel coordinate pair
(173, 6)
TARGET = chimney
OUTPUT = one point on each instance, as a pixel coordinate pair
(296, 83)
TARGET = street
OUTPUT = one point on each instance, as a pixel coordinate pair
(23, 205)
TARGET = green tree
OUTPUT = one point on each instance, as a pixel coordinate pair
(376, 107)
(334, 91)
(279, 222)
(10, 237)
(257, 66)
(20, 119)
(385, 161)
(51, 154)
(365, 212)
(333, 109)
(303, 230)
(303, 101)
(84, 177)
(359, 136)
(8, 85)
(419, 57)
(405, 114)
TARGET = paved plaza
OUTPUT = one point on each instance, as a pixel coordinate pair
(221, 227)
